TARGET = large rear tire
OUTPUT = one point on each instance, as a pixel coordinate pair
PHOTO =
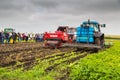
(97, 41)
(102, 43)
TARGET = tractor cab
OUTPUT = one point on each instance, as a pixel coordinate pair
(93, 24)
(9, 30)
(70, 31)
(63, 29)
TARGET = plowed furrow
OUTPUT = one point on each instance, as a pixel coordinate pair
(66, 61)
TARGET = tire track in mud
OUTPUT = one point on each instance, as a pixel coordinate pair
(22, 56)
(27, 57)
(74, 61)
(16, 56)
(57, 54)
(68, 61)
(79, 55)
(16, 48)
(63, 55)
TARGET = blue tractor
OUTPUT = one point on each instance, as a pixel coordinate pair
(89, 35)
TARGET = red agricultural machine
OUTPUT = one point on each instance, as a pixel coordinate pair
(87, 35)
(55, 39)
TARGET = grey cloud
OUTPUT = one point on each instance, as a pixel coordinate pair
(62, 6)
(30, 13)
(15, 8)
(44, 3)
(77, 7)
(10, 5)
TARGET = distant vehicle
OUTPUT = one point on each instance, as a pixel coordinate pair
(8, 30)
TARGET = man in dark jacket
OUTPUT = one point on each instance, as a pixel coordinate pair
(14, 37)
(2, 37)
(7, 37)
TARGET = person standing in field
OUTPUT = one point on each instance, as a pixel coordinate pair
(23, 36)
(7, 37)
(14, 37)
(2, 37)
(10, 36)
(31, 36)
(19, 37)
(26, 34)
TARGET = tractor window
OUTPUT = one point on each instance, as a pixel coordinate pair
(96, 29)
(63, 29)
(95, 26)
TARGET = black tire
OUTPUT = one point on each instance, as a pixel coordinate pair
(97, 41)
(102, 43)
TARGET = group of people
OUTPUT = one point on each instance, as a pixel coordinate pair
(14, 37)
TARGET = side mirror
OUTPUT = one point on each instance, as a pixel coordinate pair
(103, 25)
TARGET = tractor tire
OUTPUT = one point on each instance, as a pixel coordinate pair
(102, 43)
(97, 41)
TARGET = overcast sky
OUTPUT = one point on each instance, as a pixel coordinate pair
(47, 15)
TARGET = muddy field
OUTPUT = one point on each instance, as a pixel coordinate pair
(27, 55)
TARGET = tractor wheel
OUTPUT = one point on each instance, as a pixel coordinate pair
(97, 41)
(102, 42)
